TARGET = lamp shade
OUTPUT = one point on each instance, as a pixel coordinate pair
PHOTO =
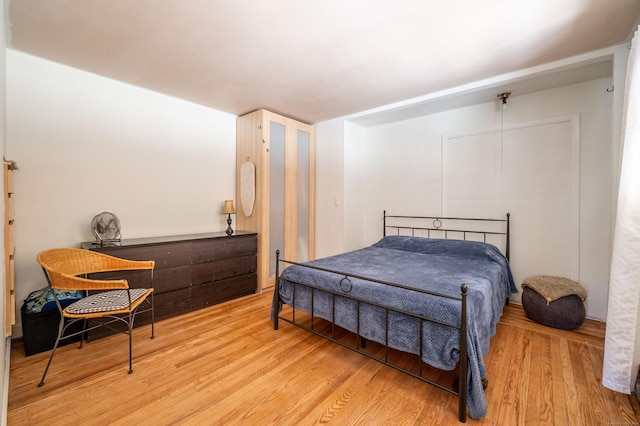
(228, 207)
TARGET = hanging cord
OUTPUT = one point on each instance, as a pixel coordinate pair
(503, 97)
(502, 107)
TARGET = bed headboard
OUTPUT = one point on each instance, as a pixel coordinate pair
(495, 231)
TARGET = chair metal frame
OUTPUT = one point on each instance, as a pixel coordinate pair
(69, 268)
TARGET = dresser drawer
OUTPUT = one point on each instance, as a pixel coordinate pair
(223, 248)
(220, 291)
(170, 304)
(136, 279)
(165, 255)
(222, 269)
(164, 280)
(165, 306)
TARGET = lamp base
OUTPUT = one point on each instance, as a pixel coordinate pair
(229, 230)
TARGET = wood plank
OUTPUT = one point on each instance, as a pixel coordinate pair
(593, 379)
(535, 383)
(544, 400)
(497, 368)
(571, 395)
(513, 408)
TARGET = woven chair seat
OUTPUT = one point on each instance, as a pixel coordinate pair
(114, 300)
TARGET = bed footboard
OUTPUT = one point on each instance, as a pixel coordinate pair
(345, 284)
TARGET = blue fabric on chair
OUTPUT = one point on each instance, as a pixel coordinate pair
(42, 300)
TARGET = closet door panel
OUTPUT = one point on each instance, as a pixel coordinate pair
(276, 192)
(303, 206)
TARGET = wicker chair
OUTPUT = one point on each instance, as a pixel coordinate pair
(107, 301)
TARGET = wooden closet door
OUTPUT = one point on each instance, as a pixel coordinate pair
(282, 150)
(305, 192)
(279, 198)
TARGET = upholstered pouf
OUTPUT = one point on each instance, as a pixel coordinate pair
(554, 301)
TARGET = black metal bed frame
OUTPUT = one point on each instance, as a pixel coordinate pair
(345, 286)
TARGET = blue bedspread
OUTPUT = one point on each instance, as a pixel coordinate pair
(428, 264)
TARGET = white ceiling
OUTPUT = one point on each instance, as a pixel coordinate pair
(314, 59)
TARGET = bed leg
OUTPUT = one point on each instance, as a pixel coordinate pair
(462, 391)
(275, 304)
(363, 342)
(275, 321)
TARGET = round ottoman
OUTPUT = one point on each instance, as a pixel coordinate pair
(554, 301)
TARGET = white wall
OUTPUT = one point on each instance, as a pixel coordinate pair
(85, 144)
(356, 188)
(398, 167)
(330, 197)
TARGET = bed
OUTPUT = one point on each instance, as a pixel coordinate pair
(427, 283)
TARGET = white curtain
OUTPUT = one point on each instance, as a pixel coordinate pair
(622, 343)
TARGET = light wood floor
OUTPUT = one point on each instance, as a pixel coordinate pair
(226, 365)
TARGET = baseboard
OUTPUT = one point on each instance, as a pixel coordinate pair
(5, 381)
(16, 330)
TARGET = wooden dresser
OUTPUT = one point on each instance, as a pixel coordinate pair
(191, 271)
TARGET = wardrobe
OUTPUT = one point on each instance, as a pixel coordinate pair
(275, 188)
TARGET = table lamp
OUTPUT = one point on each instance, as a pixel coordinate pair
(228, 209)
